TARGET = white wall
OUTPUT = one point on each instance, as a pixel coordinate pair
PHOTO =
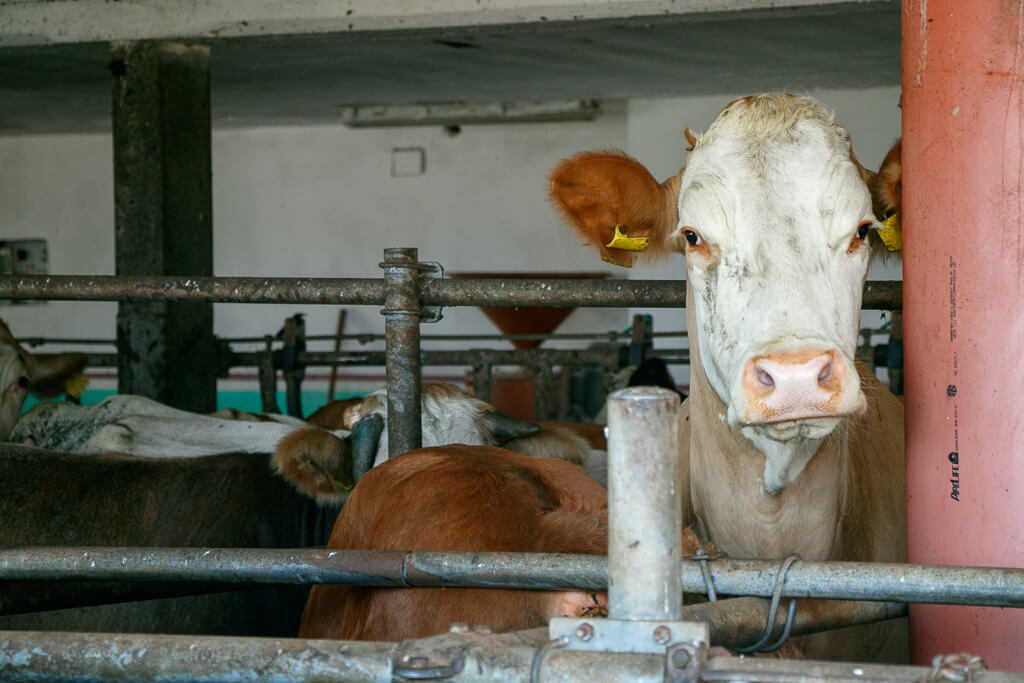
(321, 201)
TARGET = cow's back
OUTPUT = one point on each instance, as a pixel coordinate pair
(457, 498)
(231, 500)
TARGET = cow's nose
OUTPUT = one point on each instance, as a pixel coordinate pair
(793, 386)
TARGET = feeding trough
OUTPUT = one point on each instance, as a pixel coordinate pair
(528, 319)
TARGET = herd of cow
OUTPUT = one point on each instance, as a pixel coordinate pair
(787, 445)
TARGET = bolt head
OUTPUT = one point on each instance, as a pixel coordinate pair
(680, 658)
(662, 635)
(584, 632)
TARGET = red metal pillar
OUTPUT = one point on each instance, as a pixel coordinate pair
(963, 156)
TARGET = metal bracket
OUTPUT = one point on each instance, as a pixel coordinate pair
(684, 662)
(614, 635)
(414, 662)
(434, 271)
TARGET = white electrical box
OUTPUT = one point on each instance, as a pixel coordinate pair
(23, 257)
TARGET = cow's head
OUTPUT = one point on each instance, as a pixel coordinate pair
(772, 213)
(22, 373)
(448, 415)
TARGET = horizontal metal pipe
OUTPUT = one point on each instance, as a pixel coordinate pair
(370, 291)
(605, 357)
(986, 586)
(35, 656)
(353, 291)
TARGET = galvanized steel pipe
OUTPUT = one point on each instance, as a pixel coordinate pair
(35, 656)
(987, 586)
(644, 515)
(402, 332)
(886, 295)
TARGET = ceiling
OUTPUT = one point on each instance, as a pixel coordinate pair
(287, 78)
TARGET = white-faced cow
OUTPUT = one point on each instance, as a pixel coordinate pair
(452, 415)
(793, 448)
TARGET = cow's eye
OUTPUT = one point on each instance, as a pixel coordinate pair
(862, 230)
(23, 382)
(693, 238)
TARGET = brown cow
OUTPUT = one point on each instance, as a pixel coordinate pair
(452, 415)
(793, 449)
(460, 498)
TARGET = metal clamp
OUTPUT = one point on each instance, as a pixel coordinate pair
(418, 663)
(614, 635)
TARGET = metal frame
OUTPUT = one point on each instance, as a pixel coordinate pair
(407, 296)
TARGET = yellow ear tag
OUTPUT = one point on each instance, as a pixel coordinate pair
(75, 385)
(620, 241)
(891, 234)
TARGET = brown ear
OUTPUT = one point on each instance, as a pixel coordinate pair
(597, 191)
(49, 372)
(317, 463)
(887, 190)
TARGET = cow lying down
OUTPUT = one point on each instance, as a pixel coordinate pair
(460, 498)
(451, 415)
(50, 498)
(141, 426)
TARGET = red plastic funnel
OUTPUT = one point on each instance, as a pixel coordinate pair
(527, 319)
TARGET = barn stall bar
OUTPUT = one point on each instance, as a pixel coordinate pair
(854, 41)
(544, 298)
(604, 649)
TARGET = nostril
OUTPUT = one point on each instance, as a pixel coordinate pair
(765, 379)
(826, 373)
(23, 382)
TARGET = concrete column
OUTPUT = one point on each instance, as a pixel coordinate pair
(163, 218)
(963, 207)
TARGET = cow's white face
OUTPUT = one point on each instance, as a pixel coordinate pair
(14, 388)
(448, 415)
(772, 217)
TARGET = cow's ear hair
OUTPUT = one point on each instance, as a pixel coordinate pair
(610, 196)
(887, 189)
(317, 463)
(887, 203)
(54, 374)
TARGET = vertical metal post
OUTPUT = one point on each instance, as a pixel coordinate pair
(163, 218)
(402, 356)
(294, 344)
(645, 520)
(963, 161)
(482, 381)
(542, 391)
(268, 379)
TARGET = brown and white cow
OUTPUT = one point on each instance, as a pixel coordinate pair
(23, 373)
(452, 415)
(793, 448)
(460, 497)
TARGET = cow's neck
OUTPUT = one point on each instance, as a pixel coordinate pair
(726, 482)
